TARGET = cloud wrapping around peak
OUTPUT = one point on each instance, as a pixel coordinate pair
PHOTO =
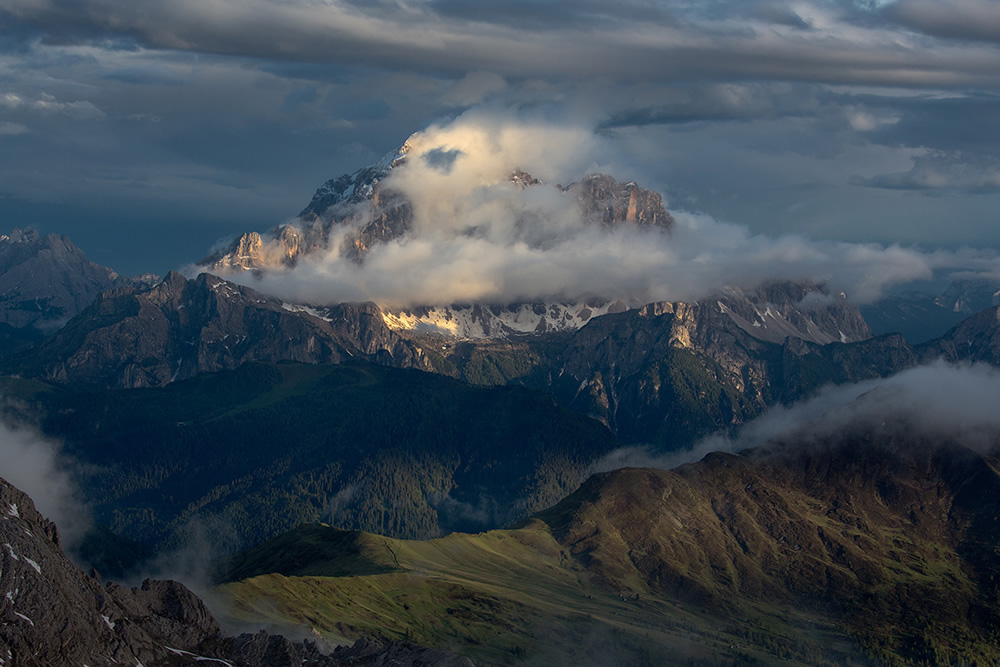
(478, 237)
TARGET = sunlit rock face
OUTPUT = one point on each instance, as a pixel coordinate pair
(377, 212)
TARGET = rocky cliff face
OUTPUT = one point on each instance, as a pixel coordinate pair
(671, 371)
(139, 337)
(46, 280)
(976, 338)
(605, 200)
(53, 614)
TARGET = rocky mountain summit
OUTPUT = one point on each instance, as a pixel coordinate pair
(367, 203)
(46, 280)
(54, 614)
(150, 336)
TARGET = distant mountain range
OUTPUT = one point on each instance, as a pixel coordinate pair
(922, 316)
(199, 404)
(46, 280)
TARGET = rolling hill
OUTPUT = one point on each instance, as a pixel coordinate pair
(878, 546)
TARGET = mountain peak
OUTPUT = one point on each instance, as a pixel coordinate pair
(18, 235)
(45, 280)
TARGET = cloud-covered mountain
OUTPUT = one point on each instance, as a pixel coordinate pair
(469, 212)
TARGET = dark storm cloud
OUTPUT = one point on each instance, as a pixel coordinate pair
(637, 41)
(957, 19)
(945, 122)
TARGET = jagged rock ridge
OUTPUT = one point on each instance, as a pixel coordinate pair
(771, 312)
(139, 337)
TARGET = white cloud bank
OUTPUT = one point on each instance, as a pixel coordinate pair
(477, 237)
(939, 401)
(35, 465)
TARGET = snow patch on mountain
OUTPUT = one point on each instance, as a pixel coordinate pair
(498, 322)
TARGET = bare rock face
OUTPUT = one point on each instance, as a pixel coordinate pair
(53, 614)
(611, 203)
(46, 280)
(974, 339)
(141, 337)
(672, 371)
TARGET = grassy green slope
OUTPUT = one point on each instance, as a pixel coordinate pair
(501, 597)
(857, 553)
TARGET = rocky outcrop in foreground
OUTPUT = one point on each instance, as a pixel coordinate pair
(53, 614)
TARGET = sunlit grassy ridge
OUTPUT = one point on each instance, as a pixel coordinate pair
(864, 551)
(500, 597)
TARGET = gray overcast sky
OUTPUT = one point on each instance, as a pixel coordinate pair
(148, 129)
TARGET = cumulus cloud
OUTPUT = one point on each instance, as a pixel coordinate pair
(36, 466)
(939, 401)
(478, 237)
